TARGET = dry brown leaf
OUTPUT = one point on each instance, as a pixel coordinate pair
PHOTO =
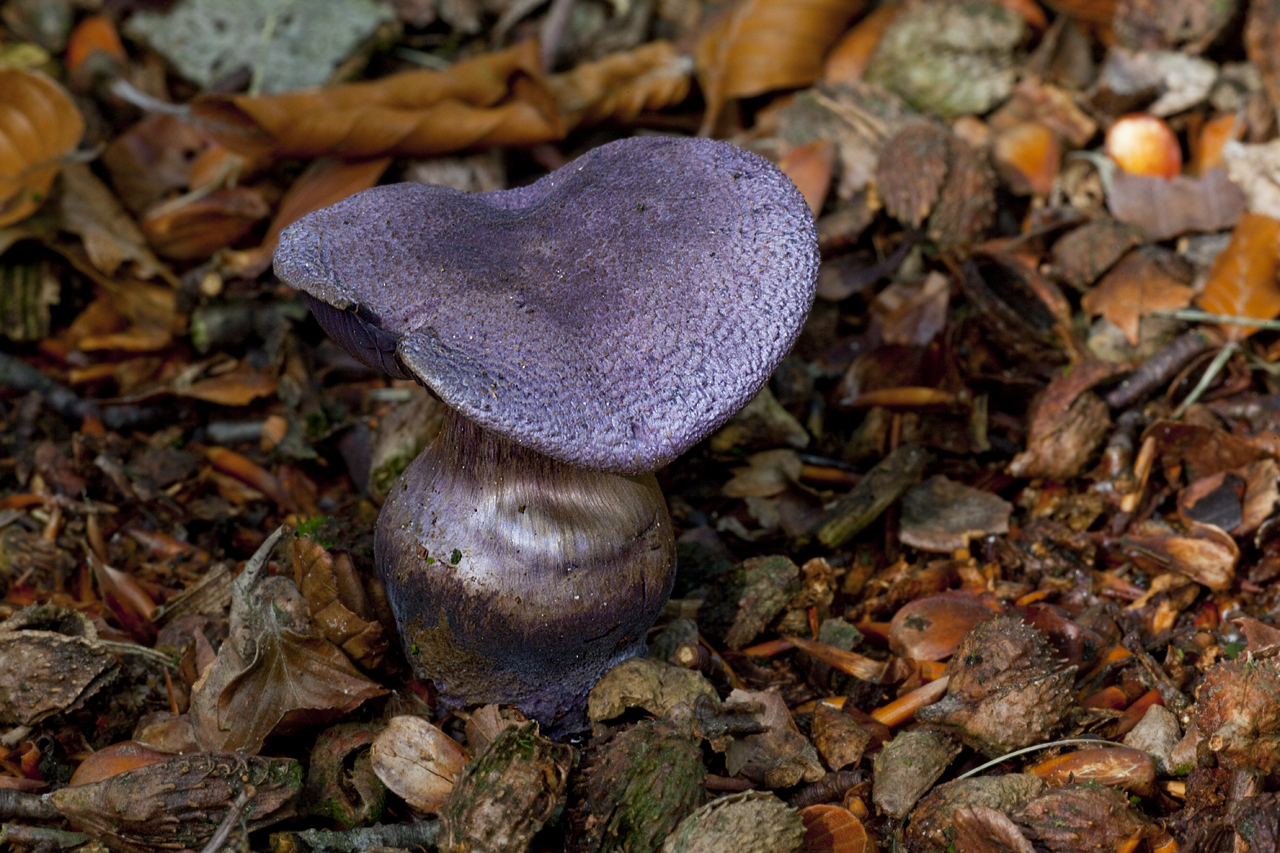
(322, 183)
(196, 226)
(233, 389)
(849, 58)
(153, 159)
(1205, 553)
(1067, 424)
(1242, 282)
(622, 85)
(110, 235)
(337, 601)
(1165, 208)
(39, 125)
(758, 46)
(1140, 283)
(293, 679)
(497, 98)
(809, 167)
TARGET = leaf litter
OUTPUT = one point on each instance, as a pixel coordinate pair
(1009, 492)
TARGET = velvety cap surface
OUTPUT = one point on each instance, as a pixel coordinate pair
(610, 315)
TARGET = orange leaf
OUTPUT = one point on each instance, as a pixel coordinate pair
(250, 473)
(1028, 155)
(1137, 285)
(1215, 134)
(809, 168)
(1117, 766)
(1242, 282)
(834, 829)
(115, 759)
(849, 58)
(95, 33)
(128, 601)
(497, 98)
(39, 124)
(758, 46)
(196, 227)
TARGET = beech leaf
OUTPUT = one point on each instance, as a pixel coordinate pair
(39, 124)
(1242, 282)
(757, 46)
(496, 98)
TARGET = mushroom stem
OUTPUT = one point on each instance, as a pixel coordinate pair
(516, 578)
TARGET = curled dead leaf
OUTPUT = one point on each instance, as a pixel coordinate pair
(195, 227)
(39, 125)
(622, 85)
(496, 98)
(756, 46)
(1242, 282)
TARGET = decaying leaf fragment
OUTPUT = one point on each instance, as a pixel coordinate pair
(1145, 280)
(932, 819)
(1068, 422)
(1167, 207)
(272, 673)
(943, 515)
(179, 802)
(622, 85)
(39, 124)
(50, 661)
(493, 99)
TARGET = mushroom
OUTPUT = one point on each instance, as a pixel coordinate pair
(583, 330)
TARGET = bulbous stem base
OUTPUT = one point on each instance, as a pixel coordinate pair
(515, 578)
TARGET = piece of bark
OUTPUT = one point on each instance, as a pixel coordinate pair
(181, 801)
(1081, 256)
(908, 766)
(341, 784)
(741, 605)
(636, 787)
(749, 822)
(507, 794)
(50, 662)
(879, 488)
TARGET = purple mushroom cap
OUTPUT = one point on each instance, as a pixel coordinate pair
(609, 315)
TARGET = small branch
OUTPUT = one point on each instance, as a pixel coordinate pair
(23, 805)
(398, 835)
(40, 837)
